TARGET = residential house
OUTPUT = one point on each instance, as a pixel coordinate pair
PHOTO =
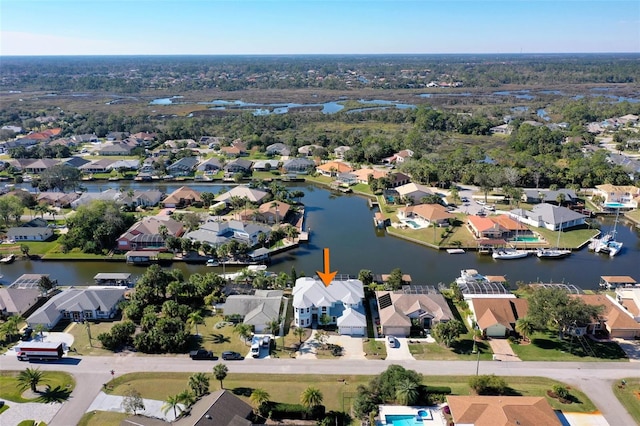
(182, 197)
(85, 138)
(614, 319)
(116, 136)
(298, 165)
(124, 165)
(211, 141)
(239, 165)
(398, 179)
(307, 150)
(147, 234)
(88, 197)
(346, 179)
(265, 165)
(278, 149)
(414, 191)
(533, 196)
(363, 175)
(57, 199)
(479, 410)
(627, 195)
(91, 303)
(40, 165)
(210, 166)
(243, 191)
(340, 151)
(510, 228)
(117, 148)
(144, 138)
(497, 316)
(216, 233)
(97, 166)
(430, 213)
(17, 301)
(232, 151)
(549, 216)
(274, 212)
(256, 310)
(183, 167)
(629, 299)
(26, 233)
(399, 157)
(137, 198)
(500, 226)
(333, 168)
(503, 129)
(75, 162)
(398, 311)
(340, 303)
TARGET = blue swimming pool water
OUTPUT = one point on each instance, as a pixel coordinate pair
(613, 205)
(403, 420)
(527, 239)
(413, 224)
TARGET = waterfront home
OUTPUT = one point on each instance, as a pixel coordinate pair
(629, 299)
(28, 281)
(484, 227)
(102, 165)
(137, 198)
(78, 305)
(497, 316)
(182, 197)
(278, 149)
(242, 191)
(239, 165)
(333, 168)
(183, 167)
(363, 175)
(614, 319)
(17, 301)
(533, 196)
(610, 282)
(216, 232)
(625, 196)
(29, 233)
(57, 199)
(298, 165)
(429, 214)
(257, 310)
(414, 191)
(398, 311)
(340, 303)
(75, 162)
(549, 216)
(502, 410)
(210, 165)
(148, 233)
(117, 148)
(398, 179)
(119, 165)
(40, 165)
(274, 212)
(265, 165)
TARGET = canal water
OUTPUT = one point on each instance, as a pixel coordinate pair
(344, 224)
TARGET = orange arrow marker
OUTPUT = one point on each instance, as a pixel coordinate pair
(326, 276)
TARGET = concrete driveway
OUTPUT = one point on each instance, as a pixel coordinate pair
(399, 353)
(631, 348)
(502, 350)
(352, 346)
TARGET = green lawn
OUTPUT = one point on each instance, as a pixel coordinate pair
(629, 396)
(461, 350)
(569, 239)
(375, 349)
(545, 346)
(336, 389)
(61, 385)
(634, 215)
(81, 337)
(102, 418)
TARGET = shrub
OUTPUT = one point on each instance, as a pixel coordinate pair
(488, 385)
(280, 410)
(561, 391)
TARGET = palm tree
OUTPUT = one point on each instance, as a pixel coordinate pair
(40, 329)
(220, 372)
(274, 326)
(30, 378)
(172, 402)
(195, 318)
(259, 397)
(300, 332)
(243, 331)
(11, 326)
(311, 397)
(187, 398)
(406, 392)
(524, 327)
(199, 384)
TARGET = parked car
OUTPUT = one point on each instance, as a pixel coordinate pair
(482, 203)
(202, 354)
(490, 208)
(229, 355)
(393, 342)
(266, 342)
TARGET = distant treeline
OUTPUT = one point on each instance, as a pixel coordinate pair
(129, 74)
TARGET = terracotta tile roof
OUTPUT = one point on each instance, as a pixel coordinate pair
(337, 166)
(430, 212)
(363, 174)
(507, 223)
(481, 224)
(502, 411)
(183, 193)
(616, 318)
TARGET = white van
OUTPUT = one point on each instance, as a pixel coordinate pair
(255, 348)
(266, 342)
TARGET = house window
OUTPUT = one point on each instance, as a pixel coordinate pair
(324, 309)
(334, 319)
(307, 310)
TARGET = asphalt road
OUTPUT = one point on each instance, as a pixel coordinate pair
(595, 379)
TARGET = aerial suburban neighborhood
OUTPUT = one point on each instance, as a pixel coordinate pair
(310, 243)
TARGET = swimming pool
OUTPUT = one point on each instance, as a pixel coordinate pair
(413, 224)
(614, 205)
(527, 239)
(403, 420)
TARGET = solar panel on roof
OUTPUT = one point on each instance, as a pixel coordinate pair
(384, 301)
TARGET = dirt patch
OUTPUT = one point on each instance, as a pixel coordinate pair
(637, 394)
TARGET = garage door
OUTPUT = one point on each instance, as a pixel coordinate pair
(396, 331)
(352, 331)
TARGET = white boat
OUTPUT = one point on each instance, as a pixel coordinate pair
(552, 253)
(212, 262)
(614, 247)
(610, 246)
(509, 253)
(595, 243)
(470, 276)
(256, 268)
(455, 251)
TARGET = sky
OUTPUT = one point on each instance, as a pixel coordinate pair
(188, 27)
